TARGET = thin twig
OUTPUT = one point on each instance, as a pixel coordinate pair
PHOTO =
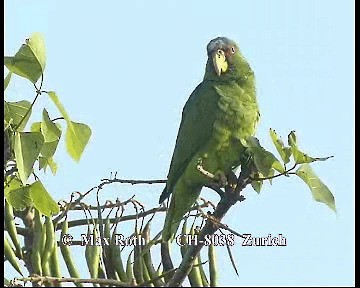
(221, 225)
(38, 92)
(132, 182)
(58, 118)
(285, 173)
(128, 217)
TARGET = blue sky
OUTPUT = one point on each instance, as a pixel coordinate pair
(126, 68)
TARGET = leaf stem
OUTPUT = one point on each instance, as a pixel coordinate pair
(38, 92)
(286, 172)
(58, 118)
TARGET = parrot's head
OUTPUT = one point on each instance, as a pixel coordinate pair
(225, 60)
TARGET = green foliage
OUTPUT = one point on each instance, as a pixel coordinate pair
(42, 199)
(257, 185)
(264, 160)
(266, 164)
(58, 105)
(37, 148)
(30, 60)
(27, 149)
(319, 190)
(7, 80)
(17, 114)
(284, 152)
(40, 143)
(77, 134)
(301, 157)
(16, 194)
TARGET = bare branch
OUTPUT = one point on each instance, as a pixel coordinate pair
(129, 181)
(128, 217)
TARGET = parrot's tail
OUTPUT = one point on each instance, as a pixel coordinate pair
(181, 202)
(164, 195)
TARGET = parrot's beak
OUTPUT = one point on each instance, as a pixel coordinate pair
(219, 62)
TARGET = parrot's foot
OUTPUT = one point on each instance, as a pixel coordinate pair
(220, 178)
(203, 171)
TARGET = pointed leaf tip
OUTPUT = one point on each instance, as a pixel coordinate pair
(29, 62)
(284, 152)
(299, 156)
(42, 199)
(77, 138)
(319, 190)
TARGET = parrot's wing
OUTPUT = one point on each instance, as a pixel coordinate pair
(195, 130)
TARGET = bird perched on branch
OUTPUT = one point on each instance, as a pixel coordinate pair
(221, 112)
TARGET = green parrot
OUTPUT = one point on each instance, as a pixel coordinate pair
(221, 112)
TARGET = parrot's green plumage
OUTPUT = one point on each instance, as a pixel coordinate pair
(220, 112)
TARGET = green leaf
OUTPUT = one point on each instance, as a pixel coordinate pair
(257, 185)
(7, 80)
(276, 165)
(16, 194)
(319, 190)
(271, 174)
(35, 127)
(77, 139)
(42, 163)
(29, 61)
(42, 199)
(60, 107)
(16, 111)
(265, 161)
(36, 43)
(51, 134)
(52, 164)
(49, 148)
(77, 134)
(301, 157)
(45, 162)
(49, 129)
(284, 152)
(27, 149)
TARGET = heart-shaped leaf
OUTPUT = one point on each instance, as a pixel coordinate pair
(30, 60)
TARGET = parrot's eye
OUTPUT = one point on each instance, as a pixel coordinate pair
(233, 49)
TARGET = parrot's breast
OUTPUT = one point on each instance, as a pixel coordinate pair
(236, 119)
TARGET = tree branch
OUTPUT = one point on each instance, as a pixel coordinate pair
(129, 181)
(231, 196)
(285, 173)
(127, 217)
